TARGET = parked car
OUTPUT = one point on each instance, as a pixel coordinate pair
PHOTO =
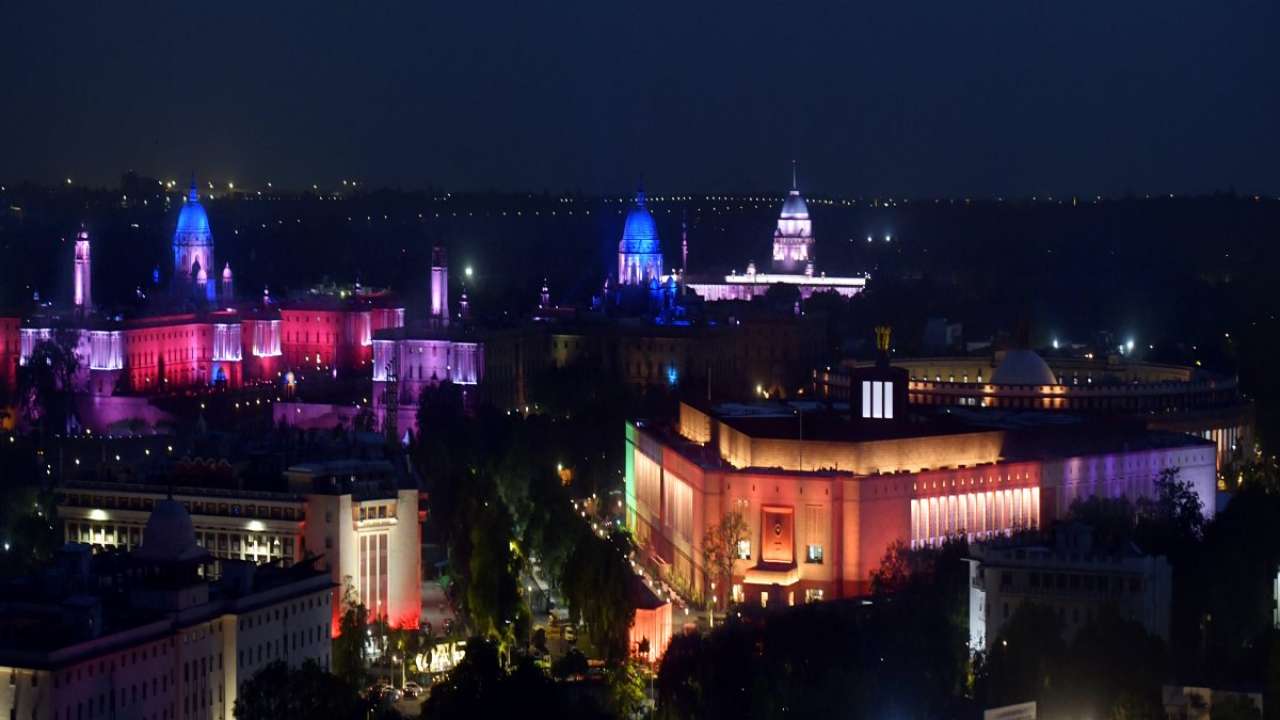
(412, 689)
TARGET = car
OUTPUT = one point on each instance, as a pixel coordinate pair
(412, 689)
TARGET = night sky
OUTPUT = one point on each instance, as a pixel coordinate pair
(922, 98)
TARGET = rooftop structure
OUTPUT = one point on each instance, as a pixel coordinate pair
(1175, 398)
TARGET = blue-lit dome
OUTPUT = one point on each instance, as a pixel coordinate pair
(795, 208)
(640, 233)
(192, 219)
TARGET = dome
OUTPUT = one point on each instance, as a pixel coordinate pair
(795, 208)
(169, 534)
(192, 219)
(1023, 367)
(640, 233)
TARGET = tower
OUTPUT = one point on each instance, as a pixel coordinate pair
(544, 296)
(227, 291)
(193, 246)
(439, 287)
(640, 250)
(793, 238)
(83, 279)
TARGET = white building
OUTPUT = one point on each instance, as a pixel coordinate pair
(1072, 577)
(147, 636)
(354, 516)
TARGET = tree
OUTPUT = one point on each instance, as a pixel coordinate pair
(493, 603)
(277, 691)
(1025, 662)
(349, 659)
(479, 687)
(597, 582)
(627, 696)
(1172, 522)
(720, 550)
(47, 382)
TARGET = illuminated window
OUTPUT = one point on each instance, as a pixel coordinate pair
(764, 598)
(744, 549)
(877, 399)
(813, 595)
(813, 554)
(736, 592)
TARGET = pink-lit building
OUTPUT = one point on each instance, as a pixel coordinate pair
(197, 335)
(825, 493)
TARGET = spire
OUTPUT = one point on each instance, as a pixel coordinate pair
(684, 243)
(193, 194)
(640, 194)
(794, 187)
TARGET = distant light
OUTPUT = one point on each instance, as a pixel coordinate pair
(1055, 343)
(467, 271)
(1129, 345)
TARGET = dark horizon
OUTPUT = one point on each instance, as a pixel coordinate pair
(931, 100)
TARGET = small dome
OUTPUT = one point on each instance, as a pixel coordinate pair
(1023, 367)
(795, 208)
(226, 272)
(640, 233)
(169, 534)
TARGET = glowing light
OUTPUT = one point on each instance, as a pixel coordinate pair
(467, 271)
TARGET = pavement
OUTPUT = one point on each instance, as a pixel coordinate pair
(435, 606)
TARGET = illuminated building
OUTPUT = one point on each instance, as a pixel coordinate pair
(198, 336)
(639, 250)
(826, 492)
(82, 294)
(10, 351)
(1164, 397)
(651, 627)
(793, 263)
(147, 634)
(359, 517)
(1071, 576)
(193, 249)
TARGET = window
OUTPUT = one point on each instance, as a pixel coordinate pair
(877, 399)
(764, 598)
(744, 549)
(813, 554)
(813, 595)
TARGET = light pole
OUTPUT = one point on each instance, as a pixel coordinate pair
(711, 607)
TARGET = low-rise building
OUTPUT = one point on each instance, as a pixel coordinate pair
(1070, 576)
(147, 635)
(358, 518)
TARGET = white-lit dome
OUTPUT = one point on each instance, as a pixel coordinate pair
(1023, 367)
(169, 534)
(795, 207)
